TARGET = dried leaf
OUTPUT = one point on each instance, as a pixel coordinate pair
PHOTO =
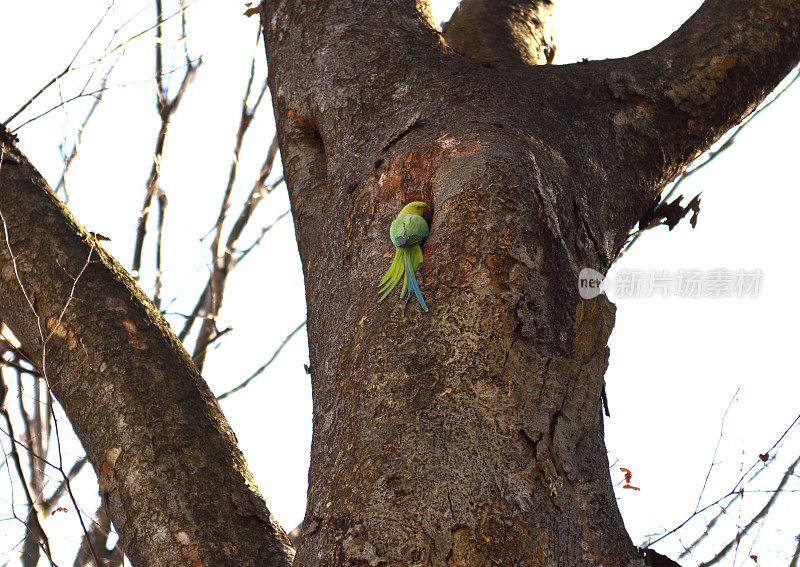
(694, 206)
(669, 214)
(628, 474)
(252, 11)
(764, 457)
(630, 487)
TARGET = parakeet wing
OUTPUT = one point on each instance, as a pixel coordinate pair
(407, 230)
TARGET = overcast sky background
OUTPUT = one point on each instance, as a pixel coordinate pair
(676, 364)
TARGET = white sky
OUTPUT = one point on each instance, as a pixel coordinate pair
(675, 363)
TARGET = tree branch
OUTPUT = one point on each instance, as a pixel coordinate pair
(150, 425)
(517, 31)
(705, 78)
(97, 538)
(33, 522)
(166, 107)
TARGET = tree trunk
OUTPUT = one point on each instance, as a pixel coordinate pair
(472, 434)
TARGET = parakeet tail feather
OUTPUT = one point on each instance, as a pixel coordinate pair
(412, 259)
(392, 275)
(405, 263)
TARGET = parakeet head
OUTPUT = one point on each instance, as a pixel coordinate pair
(415, 208)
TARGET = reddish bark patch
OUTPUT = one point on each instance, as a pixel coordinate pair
(300, 122)
(410, 175)
(499, 267)
(189, 549)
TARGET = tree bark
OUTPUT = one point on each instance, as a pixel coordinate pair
(171, 476)
(472, 435)
(510, 30)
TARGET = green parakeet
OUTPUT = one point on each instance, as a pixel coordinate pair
(406, 232)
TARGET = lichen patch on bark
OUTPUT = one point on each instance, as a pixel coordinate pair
(135, 338)
(60, 330)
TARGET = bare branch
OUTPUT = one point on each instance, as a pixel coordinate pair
(237, 518)
(167, 109)
(736, 488)
(263, 366)
(74, 152)
(796, 556)
(34, 518)
(162, 207)
(66, 70)
(763, 512)
(221, 262)
(711, 155)
(97, 538)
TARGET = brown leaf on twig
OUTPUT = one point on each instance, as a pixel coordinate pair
(669, 214)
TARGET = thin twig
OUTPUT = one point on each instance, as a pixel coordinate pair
(221, 262)
(35, 512)
(66, 70)
(74, 152)
(735, 490)
(82, 95)
(716, 450)
(50, 504)
(763, 512)
(722, 512)
(257, 241)
(107, 53)
(13, 507)
(263, 366)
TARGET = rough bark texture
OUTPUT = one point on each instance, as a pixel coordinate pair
(510, 30)
(171, 476)
(472, 435)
